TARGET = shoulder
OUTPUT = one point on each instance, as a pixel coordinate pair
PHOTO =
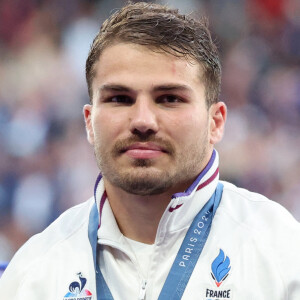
(267, 223)
(254, 209)
(71, 222)
(65, 226)
(263, 228)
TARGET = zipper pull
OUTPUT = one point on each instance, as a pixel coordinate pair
(143, 290)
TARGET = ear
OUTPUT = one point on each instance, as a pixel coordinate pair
(87, 112)
(217, 115)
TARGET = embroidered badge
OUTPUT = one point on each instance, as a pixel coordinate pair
(77, 291)
(220, 268)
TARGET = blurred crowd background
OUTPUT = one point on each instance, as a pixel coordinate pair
(46, 164)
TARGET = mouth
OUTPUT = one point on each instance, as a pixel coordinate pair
(144, 150)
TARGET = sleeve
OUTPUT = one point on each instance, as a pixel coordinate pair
(286, 245)
(11, 279)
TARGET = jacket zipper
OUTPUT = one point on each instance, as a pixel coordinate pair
(142, 294)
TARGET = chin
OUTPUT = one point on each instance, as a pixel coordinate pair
(142, 181)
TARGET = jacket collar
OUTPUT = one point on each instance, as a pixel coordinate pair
(179, 214)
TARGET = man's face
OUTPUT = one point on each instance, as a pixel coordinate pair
(149, 124)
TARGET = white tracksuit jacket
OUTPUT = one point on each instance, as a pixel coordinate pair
(259, 237)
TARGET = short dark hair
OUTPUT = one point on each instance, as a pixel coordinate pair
(161, 29)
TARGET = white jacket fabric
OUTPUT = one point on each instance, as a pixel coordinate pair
(255, 243)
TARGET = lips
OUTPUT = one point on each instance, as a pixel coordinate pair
(145, 146)
(144, 150)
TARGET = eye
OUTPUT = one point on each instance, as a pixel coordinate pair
(122, 99)
(169, 99)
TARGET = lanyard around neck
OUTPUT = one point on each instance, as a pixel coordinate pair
(184, 262)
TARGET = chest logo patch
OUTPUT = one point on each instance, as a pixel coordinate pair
(77, 290)
(220, 268)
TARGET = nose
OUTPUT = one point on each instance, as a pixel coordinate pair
(143, 118)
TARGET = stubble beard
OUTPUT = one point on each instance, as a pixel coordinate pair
(143, 177)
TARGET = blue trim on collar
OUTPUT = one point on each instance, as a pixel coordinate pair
(96, 185)
(197, 181)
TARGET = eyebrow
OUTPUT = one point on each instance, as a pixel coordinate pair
(172, 87)
(160, 88)
(114, 88)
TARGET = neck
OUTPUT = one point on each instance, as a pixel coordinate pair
(137, 216)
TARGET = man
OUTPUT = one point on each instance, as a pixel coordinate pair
(160, 225)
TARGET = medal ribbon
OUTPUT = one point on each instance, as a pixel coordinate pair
(185, 260)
